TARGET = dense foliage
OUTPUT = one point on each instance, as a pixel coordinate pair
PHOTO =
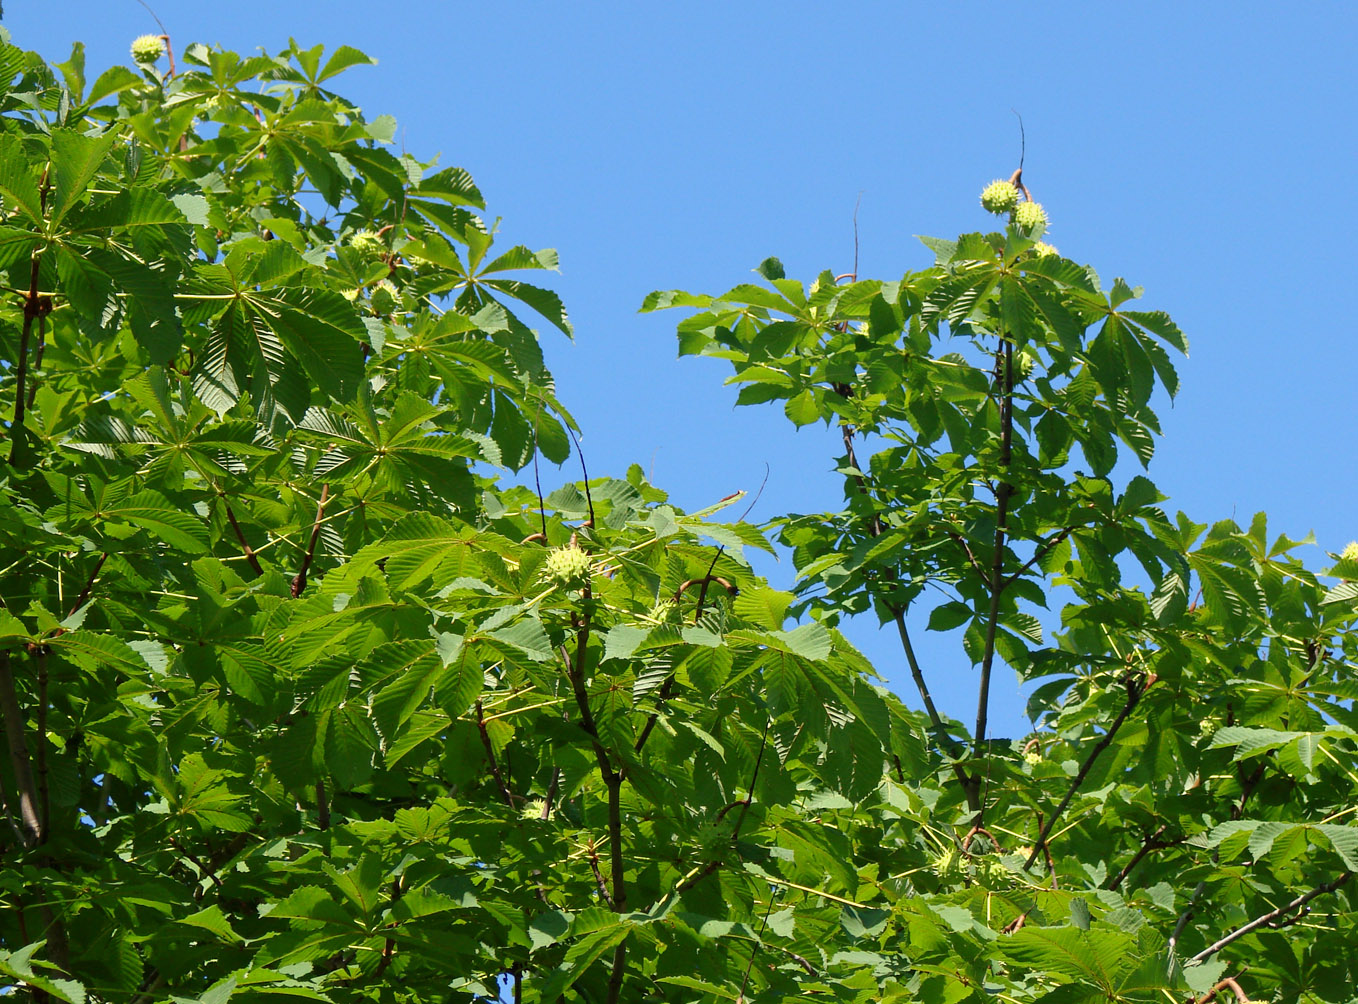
(300, 700)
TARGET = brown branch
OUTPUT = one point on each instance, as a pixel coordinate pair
(589, 501)
(1136, 688)
(1038, 555)
(322, 806)
(551, 794)
(89, 585)
(971, 557)
(1004, 361)
(593, 856)
(1240, 996)
(1267, 918)
(40, 739)
(1247, 786)
(299, 583)
(1151, 843)
(197, 862)
(489, 747)
(32, 309)
(38, 351)
(250, 555)
(744, 804)
(389, 946)
(30, 813)
(704, 582)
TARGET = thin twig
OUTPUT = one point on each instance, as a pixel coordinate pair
(250, 555)
(583, 470)
(1038, 555)
(1151, 843)
(1004, 361)
(20, 763)
(1272, 915)
(1186, 916)
(1240, 996)
(489, 747)
(715, 863)
(299, 583)
(89, 585)
(1136, 689)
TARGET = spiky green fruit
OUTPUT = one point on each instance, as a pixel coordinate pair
(1032, 758)
(147, 48)
(999, 197)
(384, 297)
(948, 864)
(368, 244)
(566, 565)
(1350, 552)
(1044, 250)
(1030, 217)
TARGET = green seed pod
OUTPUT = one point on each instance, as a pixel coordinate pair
(1044, 250)
(1350, 552)
(999, 197)
(566, 565)
(368, 244)
(1031, 218)
(384, 297)
(147, 48)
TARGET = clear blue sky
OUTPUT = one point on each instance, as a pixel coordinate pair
(1203, 150)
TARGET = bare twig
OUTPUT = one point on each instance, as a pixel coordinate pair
(1186, 916)
(1272, 915)
(1240, 996)
(250, 555)
(299, 583)
(1038, 555)
(744, 804)
(489, 747)
(30, 813)
(1004, 362)
(322, 806)
(1151, 843)
(589, 501)
(89, 585)
(1136, 688)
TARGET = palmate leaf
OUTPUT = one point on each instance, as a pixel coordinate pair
(18, 186)
(76, 159)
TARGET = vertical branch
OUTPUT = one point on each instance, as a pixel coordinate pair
(30, 813)
(44, 799)
(322, 806)
(490, 757)
(1004, 361)
(299, 583)
(584, 471)
(37, 357)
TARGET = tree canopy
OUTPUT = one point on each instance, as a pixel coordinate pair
(301, 698)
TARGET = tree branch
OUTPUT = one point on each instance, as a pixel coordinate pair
(1136, 688)
(1038, 555)
(1151, 843)
(250, 555)
(715, 863)
(1004, 361)
(299, 583)
(1269, 917)
(35, 306)
(489, 747)
(1240, 996)
(30, 813)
